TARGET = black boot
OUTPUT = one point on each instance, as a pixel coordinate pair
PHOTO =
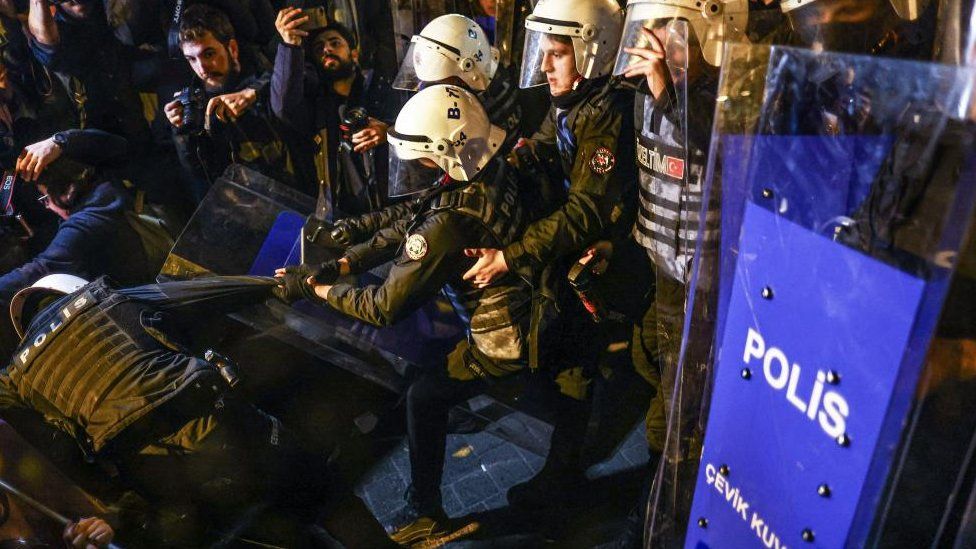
(562, 475)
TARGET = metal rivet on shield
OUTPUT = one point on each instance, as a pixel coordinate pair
(823, 490)
(833, 377)
(767, 292)
(724, 470)
(844, 440)
(807, 534)
(746, 373)
(703, 522)
(767, 193)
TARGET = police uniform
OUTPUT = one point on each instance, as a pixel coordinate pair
(668, 227)
(587, 198)
(501, 102)
(106, 367)
(428, 251)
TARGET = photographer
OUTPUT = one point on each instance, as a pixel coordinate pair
(223, 117)
(94, 236)
(312, 99)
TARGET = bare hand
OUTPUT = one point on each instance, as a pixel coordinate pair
(231, 105)
(288, 23)
(370, 137)
(174, 112)
(36, 157)
(489, 268)
(652, 65)
(88, 533)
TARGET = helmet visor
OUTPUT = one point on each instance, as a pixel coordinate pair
(656, 34)
(545, 56)
(411, 171)
(427, 61)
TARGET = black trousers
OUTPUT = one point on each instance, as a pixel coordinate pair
(429, 399)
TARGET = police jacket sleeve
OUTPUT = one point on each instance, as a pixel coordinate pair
(593, 191)
(411, 282)
(288, 88)
(367, 224)
(379, 249)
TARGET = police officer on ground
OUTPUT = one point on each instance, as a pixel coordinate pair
(317, 82)
(585, 142)
(444, 148)
(111, 371)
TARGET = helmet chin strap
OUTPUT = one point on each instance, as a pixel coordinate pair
(579, 80)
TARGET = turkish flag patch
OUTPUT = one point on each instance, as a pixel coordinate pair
(602, 161)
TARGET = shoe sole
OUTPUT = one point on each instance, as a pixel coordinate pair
(447, 538)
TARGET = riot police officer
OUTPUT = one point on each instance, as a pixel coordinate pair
(674, 47)
(110, 369)
(444, 149)
(584, 143)
(453, 49)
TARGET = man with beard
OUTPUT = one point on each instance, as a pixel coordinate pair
(311, 99)
(223, 116)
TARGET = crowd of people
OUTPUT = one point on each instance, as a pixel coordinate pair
(116, 117)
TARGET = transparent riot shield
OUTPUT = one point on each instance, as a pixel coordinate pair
(345, 13)
(845, 185)
(251, 224)
(411, 16)
(504, 39)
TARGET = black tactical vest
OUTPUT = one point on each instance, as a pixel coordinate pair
(92, 366)
(498, 315)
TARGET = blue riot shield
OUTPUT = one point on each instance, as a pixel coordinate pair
(812, 340)
(250, 224)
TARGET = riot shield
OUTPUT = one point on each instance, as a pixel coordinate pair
(411, 16)
(250, 224)
(845, 186)
(955, 40)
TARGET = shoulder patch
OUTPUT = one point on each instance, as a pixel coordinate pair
(602, 161)
(416, 247)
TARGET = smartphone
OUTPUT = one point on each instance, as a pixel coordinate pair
(317, 18)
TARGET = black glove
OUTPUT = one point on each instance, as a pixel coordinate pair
(326, 235)
(294, 284)
(326, 273)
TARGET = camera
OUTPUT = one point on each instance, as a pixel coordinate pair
(317, 18)
(194, 102)
(12, 223)
(352, 121)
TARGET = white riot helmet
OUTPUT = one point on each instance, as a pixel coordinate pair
(593, 25)
(447, 126)
(713, 22)
(906, 9)
(26, 303)
(451, 45)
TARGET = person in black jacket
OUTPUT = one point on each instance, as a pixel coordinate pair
(224, 116)
(444, 148)
(317, 81)
(94, 237)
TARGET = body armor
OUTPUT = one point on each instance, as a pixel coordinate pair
(95, 363)
(669, 213)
